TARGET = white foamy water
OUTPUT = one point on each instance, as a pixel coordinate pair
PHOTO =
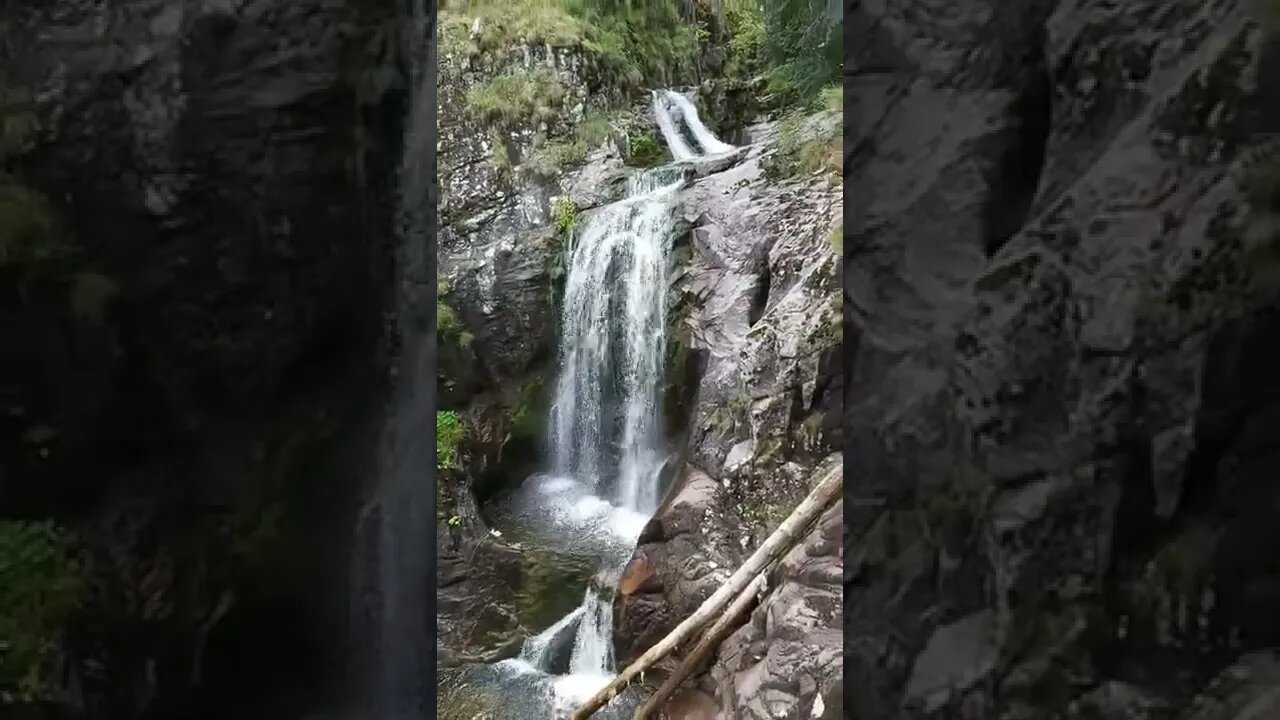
(680, 150)
(706, 139)
(563, 511)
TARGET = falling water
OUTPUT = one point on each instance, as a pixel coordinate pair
(613, 341)
(680, 150)
(706, 139)
(605, 414)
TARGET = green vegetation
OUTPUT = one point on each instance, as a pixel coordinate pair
(500, 151)
(836, 237)
(745, 22)
(506, 23)
(643, 150)
(549, 159)
(26, 228)
(803, 48)
(831, 98)
(517, 98)
(637, 42)
(41, 588)
(808, 144)
(449, 433)
(529, 411)
(796, 44)
(448, 326)
(564, 213)
(643, 41)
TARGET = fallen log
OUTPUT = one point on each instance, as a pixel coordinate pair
(782, 540)
(714, 635)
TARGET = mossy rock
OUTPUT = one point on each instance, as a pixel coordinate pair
(644, 150)
(517, 98)
(42, 587)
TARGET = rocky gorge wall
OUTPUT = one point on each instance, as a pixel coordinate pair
(201, 364)
(1058, 315)
(754, 396)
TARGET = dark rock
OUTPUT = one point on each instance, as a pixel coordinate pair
(218, 166)
(1046, 312)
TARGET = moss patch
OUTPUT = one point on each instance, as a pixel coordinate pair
(836, 237)
(517, 98)
(41, 588)
(635, 43)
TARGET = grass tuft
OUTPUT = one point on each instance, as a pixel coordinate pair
(517, 98)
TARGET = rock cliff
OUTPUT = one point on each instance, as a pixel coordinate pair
(1057, 320)
(198, 363)
(754, 391)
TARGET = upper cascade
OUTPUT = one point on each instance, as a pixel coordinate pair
(670, 106)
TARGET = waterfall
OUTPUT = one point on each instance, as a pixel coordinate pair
(680, 150)
(706, 139)
(605, 436)
(605, 420)
(613, 341)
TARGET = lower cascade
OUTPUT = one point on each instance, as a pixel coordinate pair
(606, 443)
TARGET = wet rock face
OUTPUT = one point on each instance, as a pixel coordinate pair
(1050, 321)
(686, 552)
(499, 257)
(226, 167)
(756, 305)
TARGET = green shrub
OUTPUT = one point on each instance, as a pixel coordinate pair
(802, 46)
(41, 588)
(517, 98)
(745, 22)
(645, 151)
(449, 433)
(564, 213)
